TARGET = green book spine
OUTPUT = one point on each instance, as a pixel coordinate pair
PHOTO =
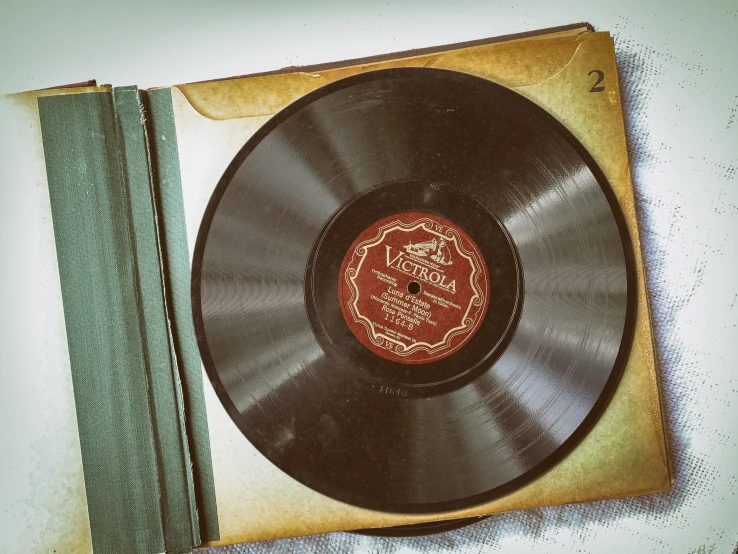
(176, 269)
(138, 389)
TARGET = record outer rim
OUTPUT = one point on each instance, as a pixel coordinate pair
(630, 304)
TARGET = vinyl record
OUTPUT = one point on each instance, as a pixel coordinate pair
(413, 290)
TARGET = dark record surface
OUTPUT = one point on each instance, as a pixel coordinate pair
(362, 427)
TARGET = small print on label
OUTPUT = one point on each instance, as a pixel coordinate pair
(413, 288)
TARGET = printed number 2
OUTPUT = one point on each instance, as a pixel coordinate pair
(600, 76)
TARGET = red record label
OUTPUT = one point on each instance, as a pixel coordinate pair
(413, 288)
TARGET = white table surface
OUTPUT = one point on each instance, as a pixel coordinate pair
(679, 74)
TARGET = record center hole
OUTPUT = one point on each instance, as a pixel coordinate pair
(413, 287)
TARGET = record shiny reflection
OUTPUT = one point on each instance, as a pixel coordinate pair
(368, 430)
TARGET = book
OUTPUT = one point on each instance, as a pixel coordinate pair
(112, 183)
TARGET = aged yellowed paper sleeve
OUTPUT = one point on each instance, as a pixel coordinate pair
(626, 452)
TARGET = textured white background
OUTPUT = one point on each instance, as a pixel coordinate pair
(678, 70)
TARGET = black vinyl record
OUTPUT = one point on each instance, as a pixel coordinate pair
(413, 290)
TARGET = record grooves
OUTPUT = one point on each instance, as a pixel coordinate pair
(413, 290)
